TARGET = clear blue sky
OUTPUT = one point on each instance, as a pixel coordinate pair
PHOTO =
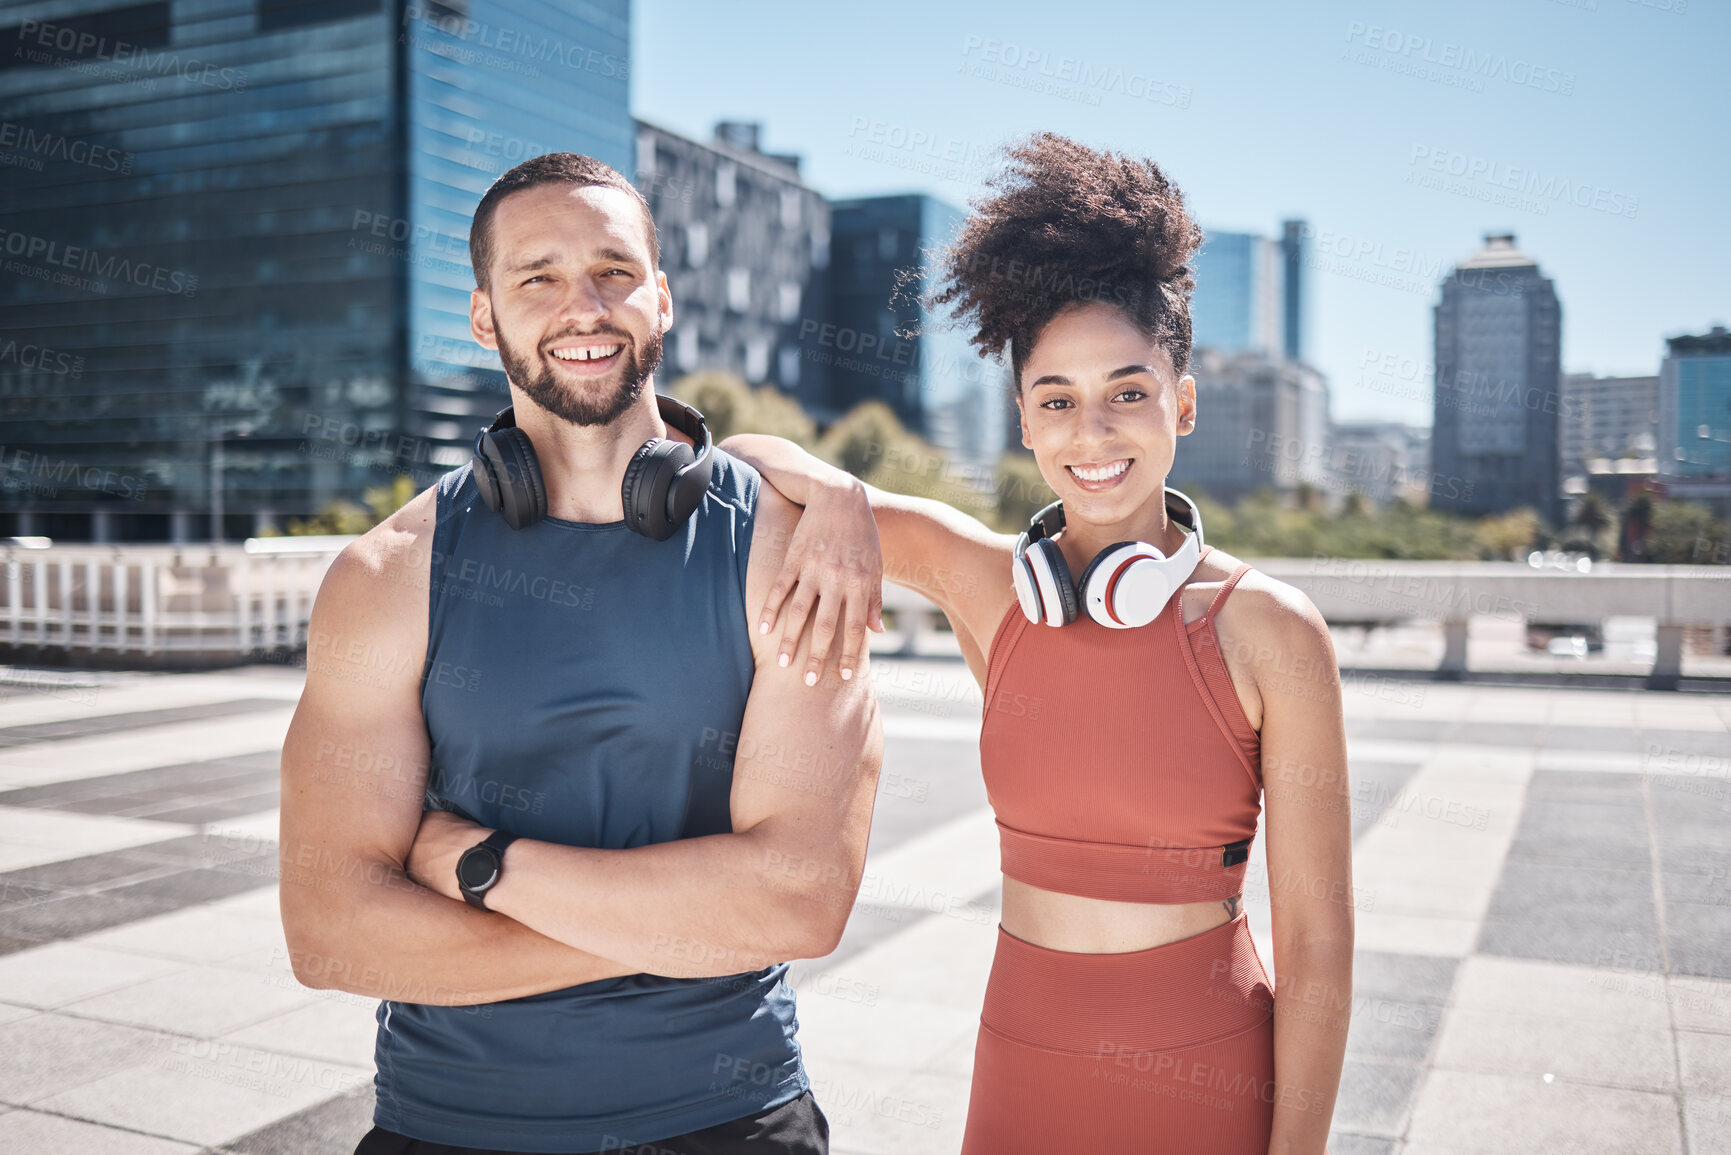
(1262, 111)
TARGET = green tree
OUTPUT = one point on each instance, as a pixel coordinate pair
(1507, 536)
(1022, 492)
(1685, 533)
(1637, 528)
(731, 406)
(1590, 526)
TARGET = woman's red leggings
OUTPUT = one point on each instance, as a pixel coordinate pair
(1169, 1049)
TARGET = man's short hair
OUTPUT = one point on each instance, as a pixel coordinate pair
(564, 168)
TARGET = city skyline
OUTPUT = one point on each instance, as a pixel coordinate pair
(1531, 112)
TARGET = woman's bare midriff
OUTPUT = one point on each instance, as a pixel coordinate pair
(1070, 922)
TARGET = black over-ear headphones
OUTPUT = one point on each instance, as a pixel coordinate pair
(663, 483)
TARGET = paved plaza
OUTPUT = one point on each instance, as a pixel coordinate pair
(1543, 910)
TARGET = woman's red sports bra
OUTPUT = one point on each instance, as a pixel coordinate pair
(1119, 762)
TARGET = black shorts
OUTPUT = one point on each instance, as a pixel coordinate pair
(797, 1127)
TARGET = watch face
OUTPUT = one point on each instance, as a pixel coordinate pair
(477, 869)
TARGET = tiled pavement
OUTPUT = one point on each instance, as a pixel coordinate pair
(1543, 906)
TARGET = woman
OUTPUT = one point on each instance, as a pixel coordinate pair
(1126, 759)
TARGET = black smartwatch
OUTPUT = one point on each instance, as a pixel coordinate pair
(479, 868)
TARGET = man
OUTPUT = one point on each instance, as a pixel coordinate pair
(688, 814)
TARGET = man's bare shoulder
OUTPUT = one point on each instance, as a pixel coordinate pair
(773, 520)
(387, 566)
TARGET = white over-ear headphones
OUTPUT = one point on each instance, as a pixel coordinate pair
(1125, 586)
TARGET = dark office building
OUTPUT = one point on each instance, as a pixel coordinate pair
(744, 244)
(1498, 386)
(235, 244)
(1295, 286)
(883, 343)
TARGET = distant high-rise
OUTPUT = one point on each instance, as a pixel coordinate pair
(1261, 422)
(1694, 456)
(1695, 406)
(882, 342)
(242, 236)
(1240, 287)
(1607, 418)
(1383, 460)
(744, 244)
(1498, 333)
(1295, 289)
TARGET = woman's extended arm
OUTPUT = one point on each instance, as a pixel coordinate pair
(1309, 841)
(923, 544)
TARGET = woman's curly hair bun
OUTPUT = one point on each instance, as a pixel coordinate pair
(1062, 225)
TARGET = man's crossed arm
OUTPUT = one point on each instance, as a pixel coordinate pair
(353, 838)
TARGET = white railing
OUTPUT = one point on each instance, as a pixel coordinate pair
(160, 604)
(1370, 592)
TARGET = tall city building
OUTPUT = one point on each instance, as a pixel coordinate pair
(1694, 457)
(1261, 422)
(883, 342)
(1239, 303)
(236, 284)
(745, 245)
(1606, 418)
(1383, 460)
(1295, 303)
(1498, 333)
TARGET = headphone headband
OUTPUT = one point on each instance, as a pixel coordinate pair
(1047, 523)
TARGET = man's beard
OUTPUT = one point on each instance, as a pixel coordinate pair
(563, 400)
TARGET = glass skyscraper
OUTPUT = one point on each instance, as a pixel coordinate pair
(1237, 306)
(235, 267)
(1498, 393)
(1695, 407)
(884, 343)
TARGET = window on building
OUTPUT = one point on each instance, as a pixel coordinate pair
(739, 289)
(726, 180)
(790, 199)
(685, 348)
(696, 244)
(756, 360)
(90, 36)
(787, 301)
(274, 14)
(645, 155)
(820, 246)
(787, 366)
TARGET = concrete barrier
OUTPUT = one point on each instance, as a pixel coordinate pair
(157, 605)
(1355, 591)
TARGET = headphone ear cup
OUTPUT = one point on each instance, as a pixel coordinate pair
(513, 475)
(1052, 579)
(1027, 590)
(1124, 587)
(647, 479)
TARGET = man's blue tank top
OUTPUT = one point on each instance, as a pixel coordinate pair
(585, 685)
